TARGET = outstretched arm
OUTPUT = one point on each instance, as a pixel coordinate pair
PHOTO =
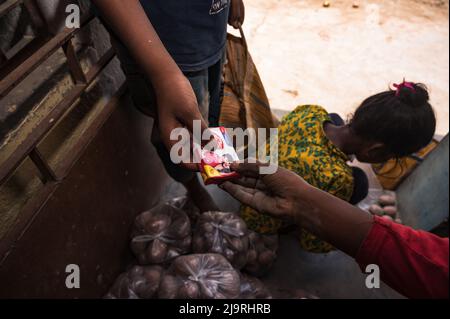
(415, 263)
(177, 104)
(286, 195)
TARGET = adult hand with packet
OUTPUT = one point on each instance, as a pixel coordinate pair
(413, 262)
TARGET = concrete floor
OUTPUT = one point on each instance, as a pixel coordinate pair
(338, 56)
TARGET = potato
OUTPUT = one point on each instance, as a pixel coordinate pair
(190, 290)
(136, 271)
(138, 285)
(183, 266)
(141, 220)
(376, 210)
(390, 210)
(193, 262)
(229, 254)
(262, 253)
(237, 244)
(159, 225)
(169, 287)
(125, 291)
(153, 274)
(181, 227)
(387, 200)
(198, 244)
(185, 243)
(138, 246)
(252, 288)
(240, 259)
(252, 256)
(207, 228)
(158, 251)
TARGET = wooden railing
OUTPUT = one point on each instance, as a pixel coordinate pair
(14, 71)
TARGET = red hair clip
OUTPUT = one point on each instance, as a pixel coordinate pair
(402, 85)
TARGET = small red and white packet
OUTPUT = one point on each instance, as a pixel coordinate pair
(215, 165)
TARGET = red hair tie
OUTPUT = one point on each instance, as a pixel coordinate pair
(404, 84)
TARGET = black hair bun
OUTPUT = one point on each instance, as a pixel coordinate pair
(416, 98)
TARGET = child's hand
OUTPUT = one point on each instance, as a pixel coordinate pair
(177, 108)
(237, 13)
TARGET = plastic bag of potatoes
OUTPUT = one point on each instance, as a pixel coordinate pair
(161, 234)
(139, 282)
(200, 276)
(253, 288)
(222, 233)
(262, 253)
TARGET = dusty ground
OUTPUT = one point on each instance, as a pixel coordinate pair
(339, 55)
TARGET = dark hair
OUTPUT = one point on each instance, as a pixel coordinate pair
(403, 120)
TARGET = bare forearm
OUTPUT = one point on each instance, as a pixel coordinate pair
(133, 27)
(334, 220)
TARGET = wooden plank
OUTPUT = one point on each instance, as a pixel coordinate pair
(76, 71)
(47, 174)
(33, 207)
(8, 5)
(9, 80)
(22, 151)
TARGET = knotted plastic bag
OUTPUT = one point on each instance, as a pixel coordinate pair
(200, 276)
(140, 282)
(161, 234)
(222, 233)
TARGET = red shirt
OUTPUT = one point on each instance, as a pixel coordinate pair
(413, 262)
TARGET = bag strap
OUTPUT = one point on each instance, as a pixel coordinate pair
(243, 38)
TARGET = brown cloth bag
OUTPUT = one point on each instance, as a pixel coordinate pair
(245, 103)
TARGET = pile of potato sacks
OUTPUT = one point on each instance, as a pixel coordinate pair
(183, 254)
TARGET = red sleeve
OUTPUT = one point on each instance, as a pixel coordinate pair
(414, 263)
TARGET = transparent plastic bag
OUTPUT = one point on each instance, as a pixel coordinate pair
(222, 233)
(186, 205)
(139, 282)
(262, 253)
(200, 276)
(253, 288)
(161, 234)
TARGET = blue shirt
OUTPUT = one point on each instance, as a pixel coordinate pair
(193, 31)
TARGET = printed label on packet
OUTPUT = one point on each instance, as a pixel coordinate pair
(215, 165)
